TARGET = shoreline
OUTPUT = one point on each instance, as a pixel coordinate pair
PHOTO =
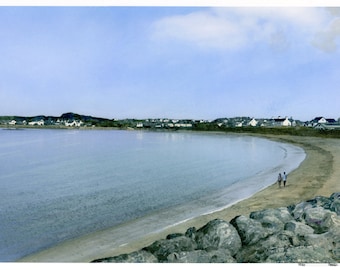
(316, 175)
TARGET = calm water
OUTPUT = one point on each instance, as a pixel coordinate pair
(60, 184)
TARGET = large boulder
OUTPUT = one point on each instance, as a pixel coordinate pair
(250, 230)
(320, 201)
(140, 256)
(218, 234)
(335, 205)
(297, 211)
(300, 255)
(162, 248)
(201, 256)
(322, 241)
(319, 219)
(273, 220)
(298, 228)
(333, 236)
(260, 251)
(281, 214)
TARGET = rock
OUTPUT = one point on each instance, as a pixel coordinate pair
(260, 251)
(281, 214)
(218, 234)
(335, 196)
(308, 232)
(272, 220)
(298, 228)
(321, 201)
(191, 232)
(272, 224)
(300, 255)
(333, 236)
(250, 230)
(173, 235)
(318, 241)
(299, 209)
(319, 219)
(141, 256)
(162, 248)
(335, 205)
(202, 256)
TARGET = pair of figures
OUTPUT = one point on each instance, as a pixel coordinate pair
(281, 178)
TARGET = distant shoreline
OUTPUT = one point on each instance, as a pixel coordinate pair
(317, 175)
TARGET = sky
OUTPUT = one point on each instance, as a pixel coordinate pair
(170, 61)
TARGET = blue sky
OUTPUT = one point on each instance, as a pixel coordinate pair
(175, 62)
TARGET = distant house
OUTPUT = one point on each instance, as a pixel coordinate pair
(74, 123)
(330, 121)
(327, 126)
(37, 123)
(12, 122)
(284, 122)
(253, 122)
(321, 120)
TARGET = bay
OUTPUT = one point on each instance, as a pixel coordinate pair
(56, 185)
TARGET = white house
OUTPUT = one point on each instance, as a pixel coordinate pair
(253, 123)
(13, 122)
(319, 120)
(73, 123)
(37, 123)
(285, 122)
(184, 125)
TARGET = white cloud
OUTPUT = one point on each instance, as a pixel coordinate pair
(238, 28)
(327, 38)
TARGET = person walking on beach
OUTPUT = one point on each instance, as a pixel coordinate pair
(284, 179)
(279, 179)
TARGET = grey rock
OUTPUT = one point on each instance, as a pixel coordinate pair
(202, 256)
(300, 255)
(281, 214)
(298, 228)
(335, 196)
(319, 219)
(260, 251)
(250, 230)
(335, 205)
(272, 220)
(173, 235)
(162, 248)
(272, 224)
(218, 234)
(191, 232)
(321, 201)
(322, 241)
(140, 256)
(333, 236)
(308, 232)
(298, 210)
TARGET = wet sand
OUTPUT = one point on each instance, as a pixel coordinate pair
(318, 174)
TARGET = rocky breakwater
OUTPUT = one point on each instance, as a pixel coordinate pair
(308, 232)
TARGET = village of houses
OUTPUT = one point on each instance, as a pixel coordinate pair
(76, 121)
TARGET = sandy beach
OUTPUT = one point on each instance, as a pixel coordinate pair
(318, 174)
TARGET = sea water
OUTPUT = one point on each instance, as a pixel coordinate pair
(60, 184)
